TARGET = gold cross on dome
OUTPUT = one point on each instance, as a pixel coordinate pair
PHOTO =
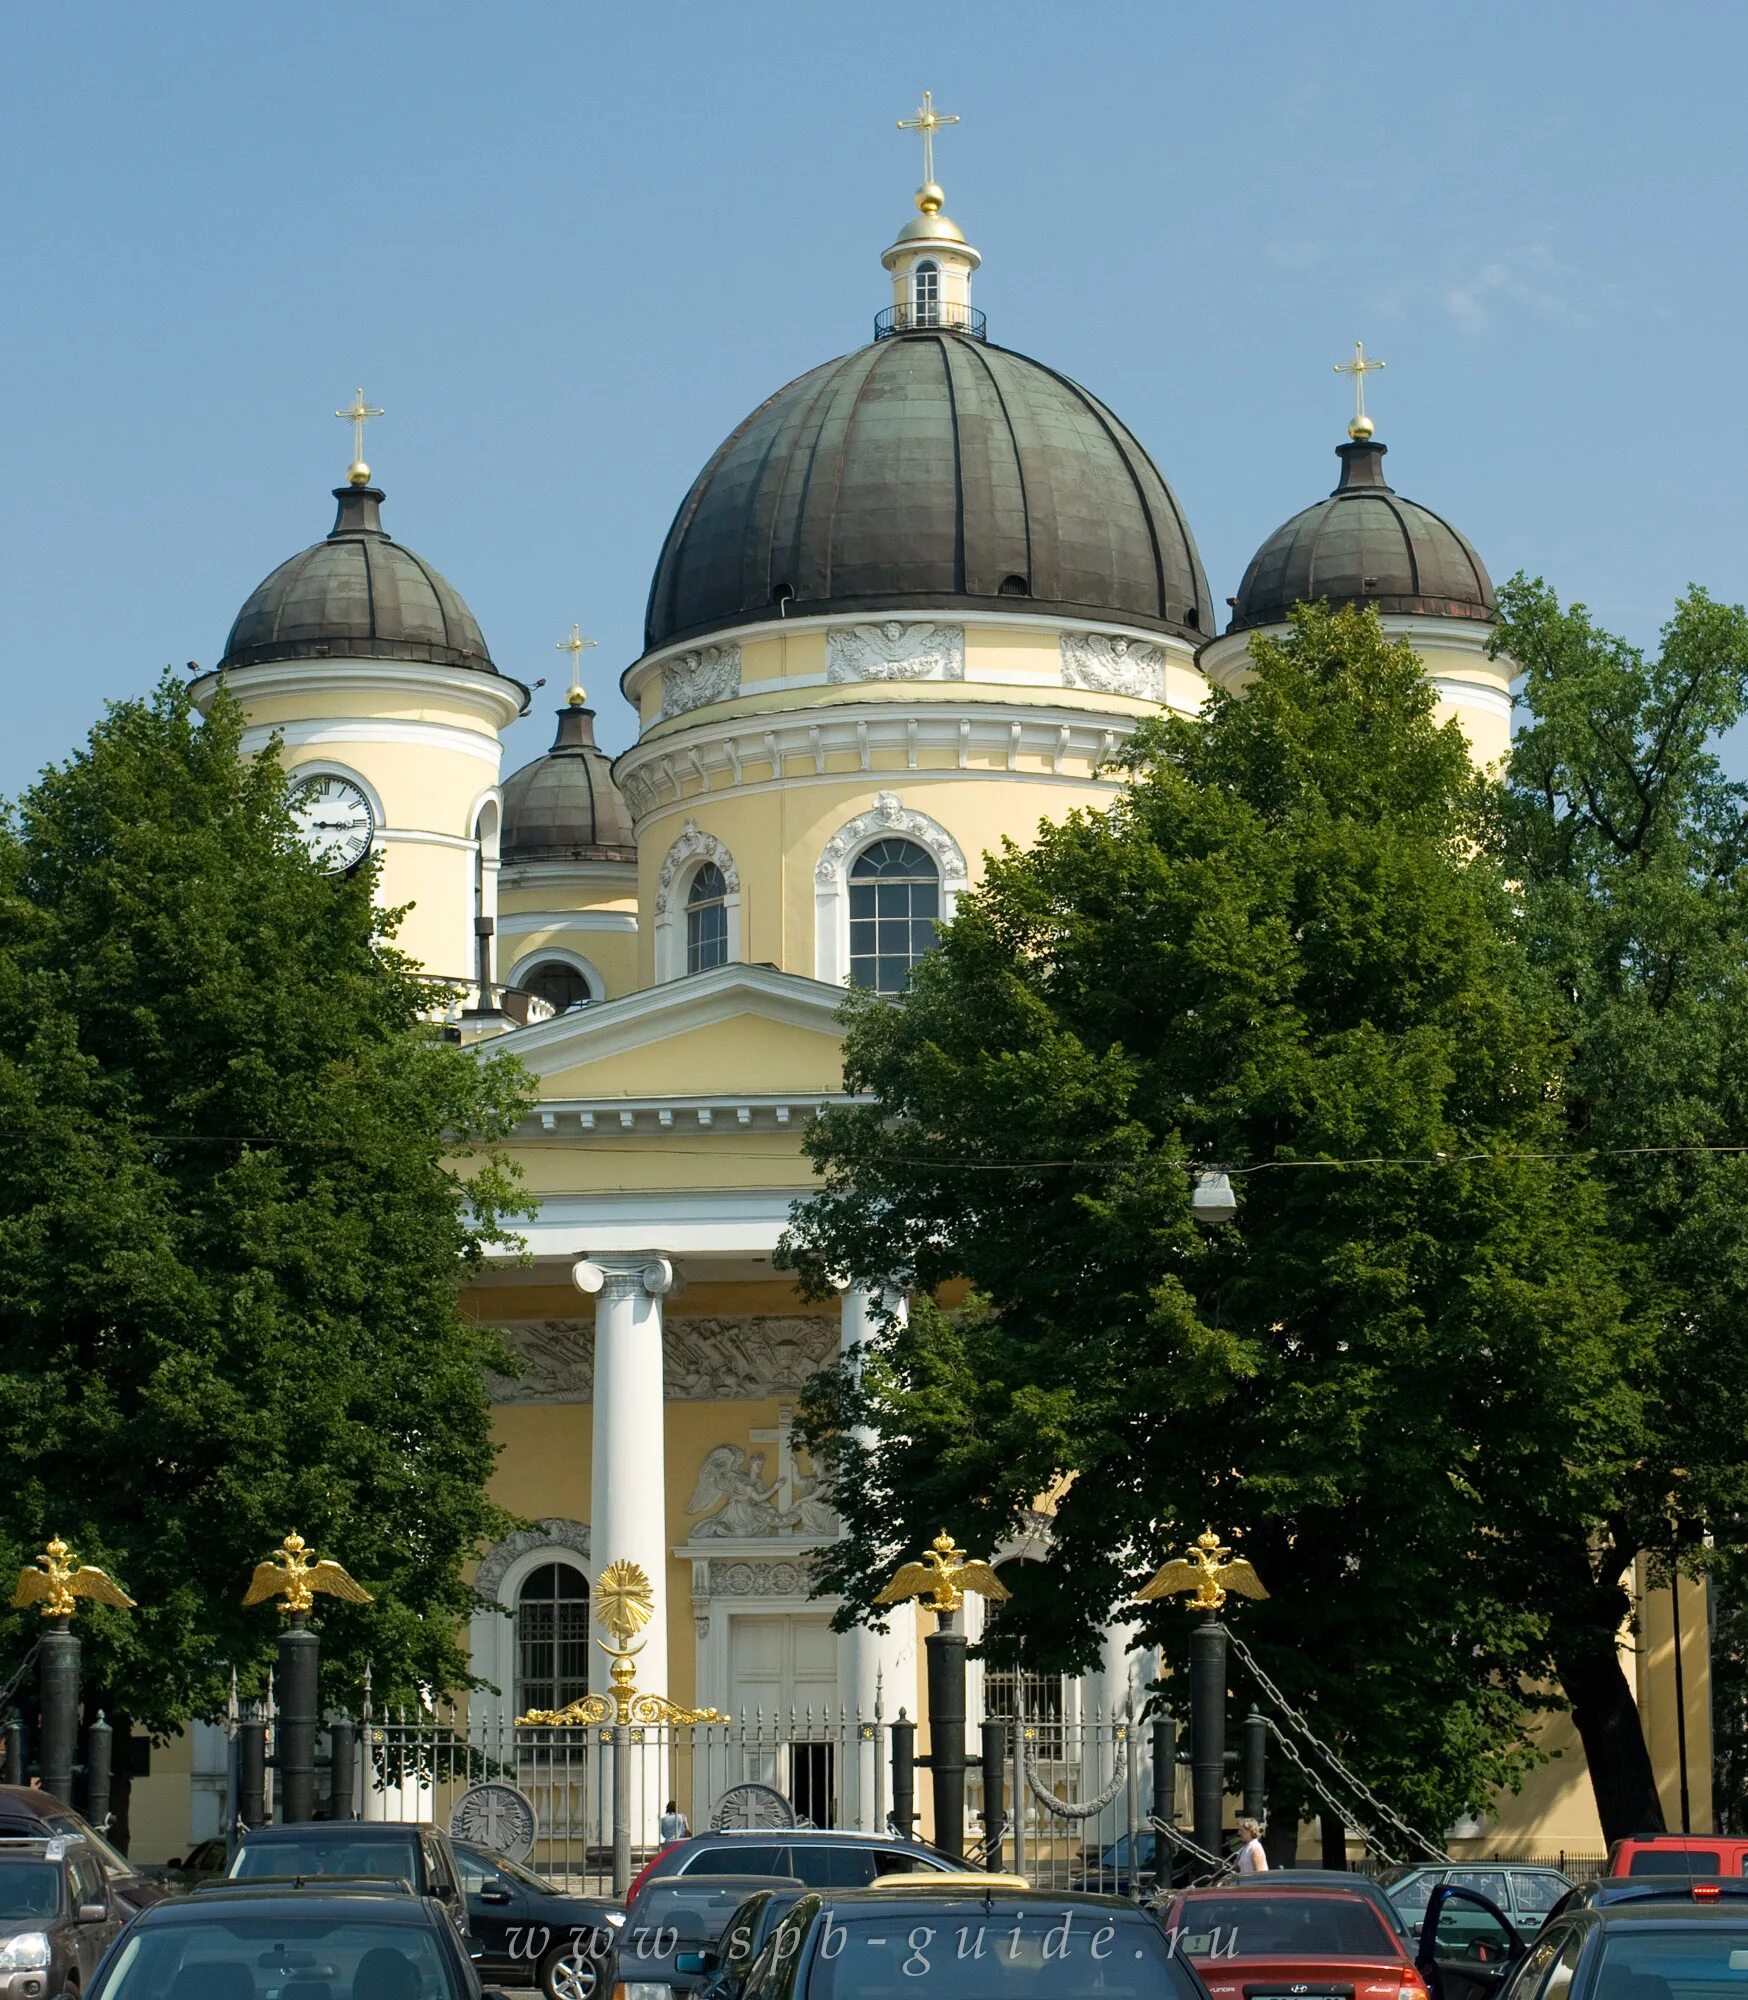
(928, 121)
(576, 645)
(1359, 368)
(358, 416)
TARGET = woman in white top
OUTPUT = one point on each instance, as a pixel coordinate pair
(1251, 1858)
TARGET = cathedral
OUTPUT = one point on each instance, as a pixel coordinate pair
(908, 608)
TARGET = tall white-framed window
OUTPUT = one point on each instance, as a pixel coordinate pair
(925, 294)
(498, 1628)
(698, 910)
(552, 1637)
(887, 878)
(707, 919)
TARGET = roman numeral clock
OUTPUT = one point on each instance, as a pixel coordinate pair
(335, 822)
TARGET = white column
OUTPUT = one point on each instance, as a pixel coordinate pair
(1119, 1686)
(876, 1665)
(627, 1485)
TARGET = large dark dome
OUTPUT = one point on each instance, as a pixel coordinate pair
(565, 806)
(1364, 545)
(359, 595)
(935, 472)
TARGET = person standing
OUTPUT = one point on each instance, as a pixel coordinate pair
(1251, 1858)
(675, 1826)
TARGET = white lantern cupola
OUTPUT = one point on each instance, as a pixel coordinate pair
(931, 263)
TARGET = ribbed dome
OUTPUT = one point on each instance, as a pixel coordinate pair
(565, 806)
(935, 472)
(358, 595)
(1364, 545)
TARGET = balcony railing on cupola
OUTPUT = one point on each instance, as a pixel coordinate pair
(945, 316)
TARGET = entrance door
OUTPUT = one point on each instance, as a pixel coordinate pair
(783, 1677)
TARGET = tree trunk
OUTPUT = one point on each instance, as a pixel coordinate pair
(1334, 1840)
(1281, 1842)
(1607, 1720)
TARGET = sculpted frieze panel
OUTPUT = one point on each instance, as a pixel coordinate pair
(704, 1360)
(700, 676)
(1113, 663)
(895, 650)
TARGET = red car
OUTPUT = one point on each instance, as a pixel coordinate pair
(1263, 1943)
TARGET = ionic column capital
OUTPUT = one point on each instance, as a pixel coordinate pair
(623, 1277)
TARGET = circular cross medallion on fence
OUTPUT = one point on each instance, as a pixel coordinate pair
(496, 1816)
(744, 1807)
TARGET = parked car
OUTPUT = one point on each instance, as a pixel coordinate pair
(1331, 1878)
(397, 1849)
(27, 1811)
(1260, 1941)
(1525, 1890)
(961, 1943)
(530, 1931)
(1678, 1854)
(677, 1917)
(273, 1941)
(822, 1858)
(205, 1861)
(1636, 1940)
(57, 1916)
(1468, 1948)
(743, 1938)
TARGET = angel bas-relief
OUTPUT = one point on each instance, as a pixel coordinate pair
(737, 1502)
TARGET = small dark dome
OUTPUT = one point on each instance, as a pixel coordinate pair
(1364, 545)
(565, 806)
(929, 471)
(358, 595)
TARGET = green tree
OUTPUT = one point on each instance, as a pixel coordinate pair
(240, 1180)
(1290, 948)
(1631, 848)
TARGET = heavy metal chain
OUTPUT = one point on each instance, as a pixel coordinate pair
(1062, 1808)
(1360, 1790)
(1213, 1868)
(24, 1668)
(1343, 1813)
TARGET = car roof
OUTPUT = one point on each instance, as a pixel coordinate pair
(695, 1885)
(382, 1903)
(1664, 1914)
(326, 1829)
(1323, 1891)
(781, 1836)
(876, 1900)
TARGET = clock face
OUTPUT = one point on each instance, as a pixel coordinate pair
(334, 818)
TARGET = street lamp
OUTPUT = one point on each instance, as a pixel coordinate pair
(1212, 1200)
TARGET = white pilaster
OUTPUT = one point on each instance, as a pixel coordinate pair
(627, 1485)
(877, 1667)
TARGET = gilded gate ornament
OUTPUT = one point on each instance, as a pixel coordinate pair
(943, 1577)
(1210, 1572)
(624, 1602)
(56, 1578)
(289, 1573)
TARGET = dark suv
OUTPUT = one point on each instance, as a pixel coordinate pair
(403, 1850)
(56, 1916)
(820, 1858)
(29, 1812)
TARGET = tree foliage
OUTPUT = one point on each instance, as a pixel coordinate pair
(232, 1224)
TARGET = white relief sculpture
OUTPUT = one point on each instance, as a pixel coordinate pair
(1113, 663)
(704, 1360)
(890, 815)
(700, 676)
(737, 1501)
(895, 651)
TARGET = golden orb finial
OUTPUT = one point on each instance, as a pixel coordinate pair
(931, 198)
(1360, 429)
(358, 473)
(361, 412)
(576, 645)
(1362, 365)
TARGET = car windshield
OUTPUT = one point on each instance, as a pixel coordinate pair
(1031, 1954)
(340, 1855)
(693, 1911)
(503, 1865)
(29, 1889)
(1257, 1925)
(1703, 1961)
(228, 1955)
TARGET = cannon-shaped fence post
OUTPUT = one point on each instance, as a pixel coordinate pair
(903, 1814)
(993, 1738)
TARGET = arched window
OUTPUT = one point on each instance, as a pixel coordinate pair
(895, 904)
(552, 1637)
(925, 294)
(561, 986)
(707, 919)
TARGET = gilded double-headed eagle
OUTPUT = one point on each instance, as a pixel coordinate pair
(943, 1577)
(57, 1577)
(1210, 1572)
(289, 1573)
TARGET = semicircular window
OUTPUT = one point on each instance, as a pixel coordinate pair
(561, 986)
(895, 905)
(552, 1637)
(707, 919)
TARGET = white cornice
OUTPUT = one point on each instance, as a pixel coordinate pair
(495, 698)
(688, 767)
(1180, 651)
(450, 736)
(1226, 655)
(524, 923)
(617, 878)
(669, 1221)
(678, 1117)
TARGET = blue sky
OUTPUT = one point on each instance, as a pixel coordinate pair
(568, 247)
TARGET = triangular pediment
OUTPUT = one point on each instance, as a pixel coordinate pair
(738, 1028)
